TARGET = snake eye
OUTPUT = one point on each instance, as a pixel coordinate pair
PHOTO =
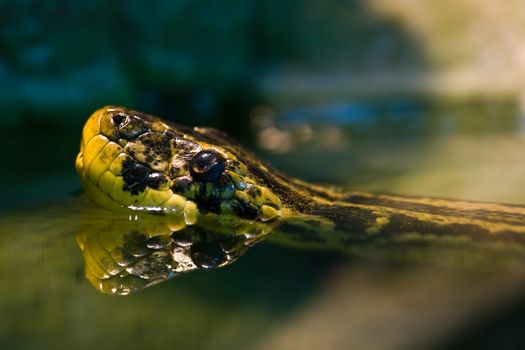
(207, 166)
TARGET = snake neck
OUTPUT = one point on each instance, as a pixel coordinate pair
(365, 213)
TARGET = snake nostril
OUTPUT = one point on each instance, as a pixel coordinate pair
(117, 119)
(132, 127)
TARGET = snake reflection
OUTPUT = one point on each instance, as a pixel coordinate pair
(128, 254)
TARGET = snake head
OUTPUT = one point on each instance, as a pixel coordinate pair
(132, 160)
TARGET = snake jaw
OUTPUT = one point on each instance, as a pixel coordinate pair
(132, 160)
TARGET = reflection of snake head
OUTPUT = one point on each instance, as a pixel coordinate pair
(130, 159)
(123, 256)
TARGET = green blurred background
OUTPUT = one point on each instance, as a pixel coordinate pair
(373, 67)
(380, 68)
(405, 96)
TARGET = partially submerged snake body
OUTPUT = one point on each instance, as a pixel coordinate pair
(131, 160)
(212, 199)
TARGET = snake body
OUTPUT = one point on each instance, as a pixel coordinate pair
(130, 160)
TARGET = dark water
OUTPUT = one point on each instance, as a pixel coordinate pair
(278, 294)
(54, 306)
(273, 296)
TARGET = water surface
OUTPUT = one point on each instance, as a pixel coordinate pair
(283, 293)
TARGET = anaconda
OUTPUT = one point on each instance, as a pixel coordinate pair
(134, 161)
(197, 199)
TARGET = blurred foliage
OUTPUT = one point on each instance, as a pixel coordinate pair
(185, 59)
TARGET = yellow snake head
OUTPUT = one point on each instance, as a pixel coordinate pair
(132, 160)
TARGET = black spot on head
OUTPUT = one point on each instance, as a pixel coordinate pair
(155, 180)
(134, 176)
(207, 199)
(207, 166)
(181, 185)
(157, 147)
(224, 187)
